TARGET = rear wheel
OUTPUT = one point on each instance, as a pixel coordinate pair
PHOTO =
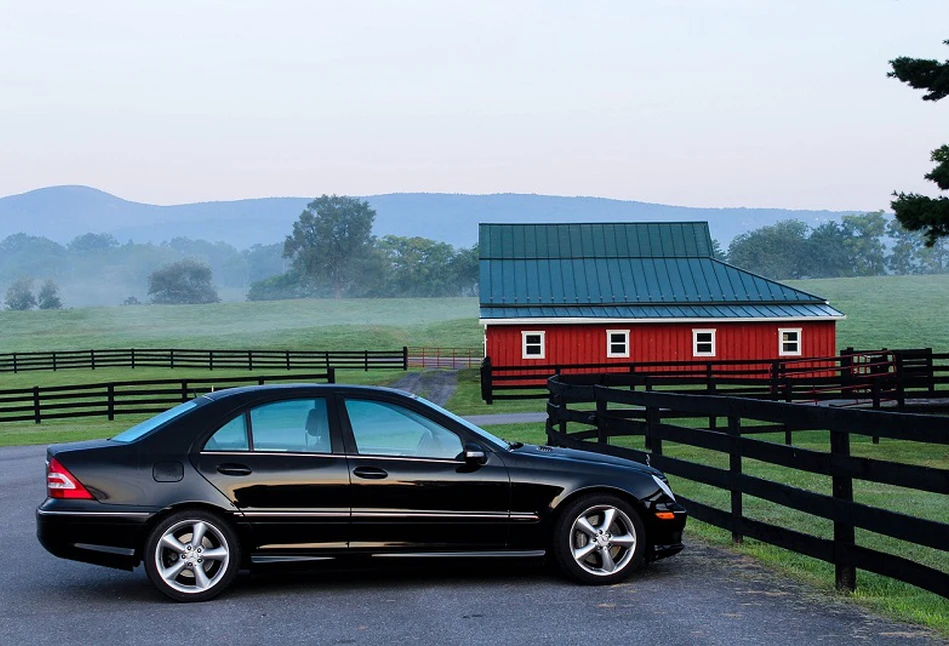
(599, 539)
(192, 556)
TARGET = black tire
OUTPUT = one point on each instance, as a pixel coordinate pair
(185, 571)
(599, 539)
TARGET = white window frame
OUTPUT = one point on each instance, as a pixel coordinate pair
(543, 344)
(799, 341)
(609, 344)
(695, 342)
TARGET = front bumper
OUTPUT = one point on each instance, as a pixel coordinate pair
(665, 522)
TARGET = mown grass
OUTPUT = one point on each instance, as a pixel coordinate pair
(362, 324)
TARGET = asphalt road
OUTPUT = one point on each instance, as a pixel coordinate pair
(703, 596)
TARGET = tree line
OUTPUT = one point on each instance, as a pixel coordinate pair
(859, 245)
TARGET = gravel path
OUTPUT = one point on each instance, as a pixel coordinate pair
(434, 385)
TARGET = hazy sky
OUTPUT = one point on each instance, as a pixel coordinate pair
(761, 103)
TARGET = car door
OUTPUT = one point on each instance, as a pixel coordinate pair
(412, 490)
(282, 464)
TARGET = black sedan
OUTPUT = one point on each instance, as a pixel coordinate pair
(305, 473)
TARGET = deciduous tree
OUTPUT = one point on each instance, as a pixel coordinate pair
(48, 298)
(332, 243)
(186, 281)
(20, 295)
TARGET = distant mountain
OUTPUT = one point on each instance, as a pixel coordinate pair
(63, 212)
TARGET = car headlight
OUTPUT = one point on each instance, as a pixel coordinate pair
(666, 489)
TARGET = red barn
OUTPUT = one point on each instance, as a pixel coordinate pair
(635, 292)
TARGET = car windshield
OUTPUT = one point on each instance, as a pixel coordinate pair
(143, 428)
(498, 442)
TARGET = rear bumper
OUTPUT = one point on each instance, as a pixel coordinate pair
(109, 538)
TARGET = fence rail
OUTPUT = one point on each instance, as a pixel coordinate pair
(453, 358)
(622, 413)
(877, 376)
(205, 359)
(124, 397)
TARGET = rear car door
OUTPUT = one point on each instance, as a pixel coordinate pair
(281, 464)
(412, 490)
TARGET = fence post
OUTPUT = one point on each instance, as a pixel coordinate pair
(775, 374)
(845, 572)
(331, 375)
(287, 356)
(250, 359)
(111, 405)
(734, 477)
(133, 358)
(36, 404)
(14, 363)
(184, 390)
(365, 360)
(900, 379)
(326, 359)
(601, 436)
(171, 358)
(54, 362)
(647, 440)
(92, 359)
(210, 359)
(486, 391)
(405, 357)
(653, 441)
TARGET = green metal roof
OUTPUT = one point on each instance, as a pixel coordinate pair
(595, 240)
(615, 270)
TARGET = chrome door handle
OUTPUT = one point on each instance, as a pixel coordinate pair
(370, 473)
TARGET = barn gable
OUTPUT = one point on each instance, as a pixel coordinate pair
(625, 272)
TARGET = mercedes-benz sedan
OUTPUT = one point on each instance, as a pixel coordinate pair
(300, 473)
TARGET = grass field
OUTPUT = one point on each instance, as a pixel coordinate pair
(892, 312)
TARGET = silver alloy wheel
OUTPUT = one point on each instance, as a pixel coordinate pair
(192, 556)
(603, 540)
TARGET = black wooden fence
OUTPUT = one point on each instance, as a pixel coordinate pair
(206, 359)
(609, 413)
(876, 376)
(124, 397)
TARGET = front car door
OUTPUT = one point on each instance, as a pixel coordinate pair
(412, 490)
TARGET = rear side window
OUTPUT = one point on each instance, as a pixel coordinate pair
(292, 426)
(230, 437)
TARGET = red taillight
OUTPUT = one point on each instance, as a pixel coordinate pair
(62, 484)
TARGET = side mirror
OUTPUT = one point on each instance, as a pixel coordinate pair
(474, 454)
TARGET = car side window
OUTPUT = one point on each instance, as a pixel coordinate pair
(295, 426)
(381, 428)
(230, 437)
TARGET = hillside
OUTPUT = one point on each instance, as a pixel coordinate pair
(63, 212)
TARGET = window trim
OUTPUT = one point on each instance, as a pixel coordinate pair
(609, 344)
(543, 344)
(799, 341)
(695, 342)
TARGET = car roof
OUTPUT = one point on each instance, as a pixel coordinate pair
(291, 388)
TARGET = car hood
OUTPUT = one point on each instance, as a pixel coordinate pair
(546, 453)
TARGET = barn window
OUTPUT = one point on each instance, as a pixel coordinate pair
(789, 342)
(703, 343)
(532, 344)
(617, 343)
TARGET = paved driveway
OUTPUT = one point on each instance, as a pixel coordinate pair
(703, 596)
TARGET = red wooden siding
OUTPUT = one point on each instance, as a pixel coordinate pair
(573, 344)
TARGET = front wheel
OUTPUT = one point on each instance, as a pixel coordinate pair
(599, 539)
(192, 556)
